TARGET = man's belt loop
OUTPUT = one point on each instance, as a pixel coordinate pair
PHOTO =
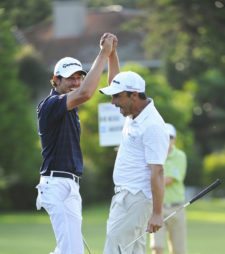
(118, 189)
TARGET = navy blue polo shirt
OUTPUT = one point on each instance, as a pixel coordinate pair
(59, 131)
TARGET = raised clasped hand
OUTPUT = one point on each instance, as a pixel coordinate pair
(106, 39)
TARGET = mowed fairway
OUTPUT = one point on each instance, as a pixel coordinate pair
(31, 233)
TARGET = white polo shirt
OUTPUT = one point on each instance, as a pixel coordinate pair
(144, 141)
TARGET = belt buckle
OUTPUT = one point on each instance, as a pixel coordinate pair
(76, 178)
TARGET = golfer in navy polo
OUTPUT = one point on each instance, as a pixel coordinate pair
(59, 131)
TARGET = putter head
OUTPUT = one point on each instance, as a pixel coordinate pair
(120, 249)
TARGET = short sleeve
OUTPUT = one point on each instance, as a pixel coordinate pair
(156, 143)
(52, 110)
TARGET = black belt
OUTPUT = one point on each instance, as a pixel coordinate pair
(63, 174)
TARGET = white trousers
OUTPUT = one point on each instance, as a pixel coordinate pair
(61, 199)
(128, 219)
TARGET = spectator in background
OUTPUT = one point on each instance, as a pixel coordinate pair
(174, 173)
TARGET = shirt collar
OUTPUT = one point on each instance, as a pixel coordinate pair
(53, 92)
(144, 113)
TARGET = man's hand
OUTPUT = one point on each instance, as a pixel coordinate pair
(155, 223)
(111, 37)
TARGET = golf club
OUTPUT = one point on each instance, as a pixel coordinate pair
(198, 196)
(86, 245)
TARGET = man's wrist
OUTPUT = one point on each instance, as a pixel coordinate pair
(103, 53)
(113, 53)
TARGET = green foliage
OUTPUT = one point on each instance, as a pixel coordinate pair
(214, 166)
(31, 71)
(188, 35)
(209, 111)
(19, 156)
(24, 13)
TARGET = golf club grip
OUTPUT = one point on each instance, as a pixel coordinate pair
(206, 190)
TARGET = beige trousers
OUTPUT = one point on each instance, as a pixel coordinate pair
(128, 218)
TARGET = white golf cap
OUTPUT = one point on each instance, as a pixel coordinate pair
(67, 66)
(171, 130)
(125, 81)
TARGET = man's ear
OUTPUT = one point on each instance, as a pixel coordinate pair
(54, 78)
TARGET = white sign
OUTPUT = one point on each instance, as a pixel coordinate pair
(110, 123)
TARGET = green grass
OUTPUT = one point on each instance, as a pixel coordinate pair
(31, 233)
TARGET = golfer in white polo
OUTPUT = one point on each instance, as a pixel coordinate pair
(136, 206)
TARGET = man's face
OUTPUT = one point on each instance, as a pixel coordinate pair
(66, 85)
(124, 102)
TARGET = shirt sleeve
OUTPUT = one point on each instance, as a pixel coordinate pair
(156, 143)
(53, 109)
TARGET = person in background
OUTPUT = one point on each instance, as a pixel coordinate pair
(136, 206)
(59, 131)
(174, 174)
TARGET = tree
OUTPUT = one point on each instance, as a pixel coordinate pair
(32, 72)
(19, 155)
(188, 35)
(214, 168)
(209, 111)
(25, 13)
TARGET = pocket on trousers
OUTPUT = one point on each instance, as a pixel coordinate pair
(42, 196)
(38, 199)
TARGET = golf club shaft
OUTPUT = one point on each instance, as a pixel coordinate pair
(198, 196)
(85, 243)
(168, 217)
